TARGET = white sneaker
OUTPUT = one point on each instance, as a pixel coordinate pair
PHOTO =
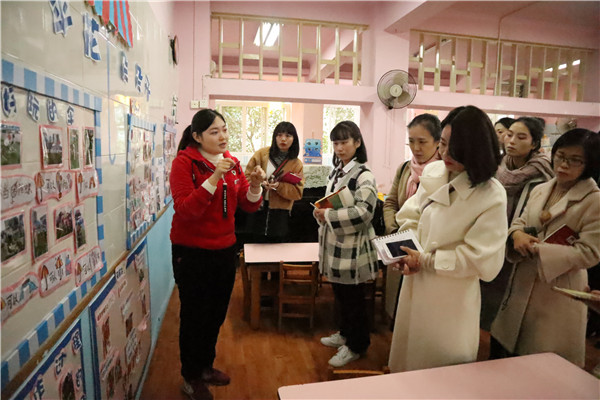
(343, 356)
(336, 340)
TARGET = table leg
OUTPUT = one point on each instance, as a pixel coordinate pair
(255, 298)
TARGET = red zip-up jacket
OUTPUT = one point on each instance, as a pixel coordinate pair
(199, 220)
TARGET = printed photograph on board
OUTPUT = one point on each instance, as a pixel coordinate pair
(52, 146)
(11, 144)
(39, 230)
(13, 236)
(79, 227)
(63, 221)
(74, 148)
(88, 147)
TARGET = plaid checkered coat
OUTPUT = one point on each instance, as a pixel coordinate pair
(346, 254)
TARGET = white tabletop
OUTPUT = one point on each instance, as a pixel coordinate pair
(538, 376)
(275, 252)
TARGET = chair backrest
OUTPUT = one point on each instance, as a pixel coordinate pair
(297, 274)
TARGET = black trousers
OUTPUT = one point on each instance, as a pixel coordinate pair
(205, 280)
(354, 322)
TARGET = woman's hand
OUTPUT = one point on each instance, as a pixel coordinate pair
(524, 244)
(319, 214)
(271, 186)
(257, 176)
(223, 165)
(409, 264)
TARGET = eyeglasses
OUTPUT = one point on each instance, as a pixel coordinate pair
(571, 162)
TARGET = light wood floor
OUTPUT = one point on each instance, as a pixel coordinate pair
(259, 362)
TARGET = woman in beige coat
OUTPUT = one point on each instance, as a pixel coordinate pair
(533, 318)
(459, 217)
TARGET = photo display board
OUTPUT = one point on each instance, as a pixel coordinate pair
(170, 152)
(141, 203)
(120, 318)
(61, 375)
(49, 189)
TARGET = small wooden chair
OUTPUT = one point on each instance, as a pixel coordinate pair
(335, 374)
(297, 289)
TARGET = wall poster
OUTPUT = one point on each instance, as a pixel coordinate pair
(120, 317)
(61, 375)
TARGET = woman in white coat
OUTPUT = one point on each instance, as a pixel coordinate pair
(533, 318)
(459, 217)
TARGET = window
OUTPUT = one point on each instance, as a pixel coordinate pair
(332, 115)
(251, 124)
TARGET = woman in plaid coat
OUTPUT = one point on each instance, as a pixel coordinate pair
(347, 257)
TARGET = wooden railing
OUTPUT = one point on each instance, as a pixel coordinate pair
(304, 50)
(474, 65)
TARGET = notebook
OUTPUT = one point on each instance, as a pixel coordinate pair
(388, 247)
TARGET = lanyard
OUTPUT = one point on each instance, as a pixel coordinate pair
(224, 198)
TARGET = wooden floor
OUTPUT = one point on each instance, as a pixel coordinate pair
(261, 361)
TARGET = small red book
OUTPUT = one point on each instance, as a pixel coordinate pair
(290, 177)
(563, 235)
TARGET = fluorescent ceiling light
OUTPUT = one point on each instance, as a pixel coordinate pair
(270, 33)
(563, 66)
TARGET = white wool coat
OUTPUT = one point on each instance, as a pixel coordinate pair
(463, 235)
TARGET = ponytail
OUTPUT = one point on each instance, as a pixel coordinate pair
(186, 139)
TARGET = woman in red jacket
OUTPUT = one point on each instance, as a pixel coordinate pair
(207, 184)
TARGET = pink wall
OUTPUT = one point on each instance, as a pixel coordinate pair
(385, 47)
(192, 26)
(359, 12)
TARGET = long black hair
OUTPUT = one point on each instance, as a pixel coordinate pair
(474, 143)
(200, 122)
(285, 127)
(346, 130)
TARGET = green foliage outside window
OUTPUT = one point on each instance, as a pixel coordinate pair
(233, 117)
(251, 126)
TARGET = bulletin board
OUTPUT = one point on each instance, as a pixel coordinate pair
(61, 375)
(51, 207)
(170, 152)
(141, 204)
(120, 318)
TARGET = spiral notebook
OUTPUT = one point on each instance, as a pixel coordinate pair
(388, 247)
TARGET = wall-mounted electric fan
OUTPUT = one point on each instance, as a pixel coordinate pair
(396, 89)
